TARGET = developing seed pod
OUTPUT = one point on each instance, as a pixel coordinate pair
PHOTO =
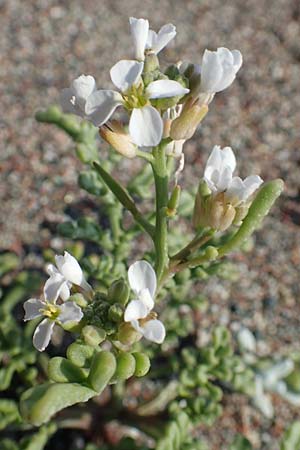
(102, 369)
(93, 336)
(125, 367)
(118, 292)
(80, 354)
(61, 370)
(142, 364)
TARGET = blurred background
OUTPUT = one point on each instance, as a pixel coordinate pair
(45, 44)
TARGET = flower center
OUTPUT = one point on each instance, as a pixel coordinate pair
(135, 98)
(51, 311)
(151, 316)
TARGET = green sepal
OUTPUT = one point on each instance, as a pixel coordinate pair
(118, 292)
(260, 207)
(102, 369)
(61, 370)
(40, 403)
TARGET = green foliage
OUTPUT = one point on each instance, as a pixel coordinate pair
(240, 443)
(291, 437)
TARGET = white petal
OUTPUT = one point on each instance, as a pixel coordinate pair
(67, 102)
(69, 268)
(228, 158)
(64, 292)
(70, 312)
(237, 59)
(51, 269)
(211, 72)
(141, 275)
(219, 168)
(126, 73)
(146, 127)
(83, 86)
(139, 30)
(251, 184)
(246, 340)
(146, 298)
(100, 105)
(53, 287)
(163, 37)
(42, 334)
(165, 88)
(135, 324)
(32, 308)
(135, 310)
(154, 331)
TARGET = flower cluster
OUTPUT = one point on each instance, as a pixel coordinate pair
(66, 273)
(160, 104)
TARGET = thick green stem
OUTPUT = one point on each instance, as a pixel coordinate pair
(161, 229)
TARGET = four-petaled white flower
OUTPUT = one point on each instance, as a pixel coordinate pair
(145, 124)
(66, 313)
(146, 40)
(142, 280)
(66, 272)
(218, 175)
(218, 70)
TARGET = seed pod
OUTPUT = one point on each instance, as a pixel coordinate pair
(80, 354)
(142, 364)
(174, 201)
(125, 367)
(93, 335)
(118, 292)
(102, 369)
(61, 370)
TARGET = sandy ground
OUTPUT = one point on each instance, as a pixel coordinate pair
(45, 44)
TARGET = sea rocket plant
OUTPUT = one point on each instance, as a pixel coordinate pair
(164, 107)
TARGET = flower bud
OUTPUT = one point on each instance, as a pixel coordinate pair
(92, 335)
(118, 292)
(127, 335)
(174, 201)
(142, 364)
(185, 125)
(221, 215)
(151, 63)
(115, 135)
(115, 313)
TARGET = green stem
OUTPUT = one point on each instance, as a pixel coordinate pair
(199, 240)
(161, 228)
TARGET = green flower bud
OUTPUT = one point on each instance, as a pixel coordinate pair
(80, 354)
(93, 336)
(61, 370)
(125, 367)
(118, 292)
(174, 201)
(142, 364)
(115, 313)
(102, 369)
(127, 335)
(79, 300)
(151, 63)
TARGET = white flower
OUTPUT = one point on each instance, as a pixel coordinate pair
(218, 69)
(218, 175)
(146, 40)
(66, 272)
(146, 124)
(68, 312)
(142, 280)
